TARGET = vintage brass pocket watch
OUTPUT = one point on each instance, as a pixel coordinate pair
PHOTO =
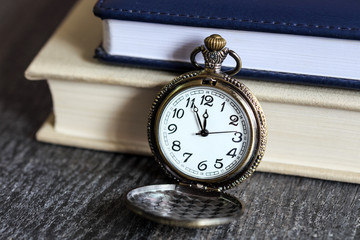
(208, 132)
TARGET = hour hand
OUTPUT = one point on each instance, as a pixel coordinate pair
(205, 116)
(196, 111)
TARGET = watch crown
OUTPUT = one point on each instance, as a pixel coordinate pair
(215, 52)
(215, 42)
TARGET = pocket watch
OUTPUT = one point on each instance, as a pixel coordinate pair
(208, 132)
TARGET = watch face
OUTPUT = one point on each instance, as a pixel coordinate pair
(204, 133)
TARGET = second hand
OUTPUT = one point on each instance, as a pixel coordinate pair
(217, 132)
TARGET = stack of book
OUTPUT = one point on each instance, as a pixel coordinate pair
(313, 127)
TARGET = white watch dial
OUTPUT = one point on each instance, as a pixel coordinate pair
(204, 133)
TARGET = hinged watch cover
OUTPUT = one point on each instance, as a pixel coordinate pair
(184, 206)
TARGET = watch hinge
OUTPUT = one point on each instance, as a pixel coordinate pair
(209, 81)
(201, 187)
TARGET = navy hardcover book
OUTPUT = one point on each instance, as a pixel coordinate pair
(300, 41)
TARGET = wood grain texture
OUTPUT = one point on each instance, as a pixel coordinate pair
(49, 192)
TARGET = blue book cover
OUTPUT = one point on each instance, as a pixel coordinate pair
(322, 18)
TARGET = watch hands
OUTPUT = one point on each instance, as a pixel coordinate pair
(216, 132)
(196, 110)
(203, 132)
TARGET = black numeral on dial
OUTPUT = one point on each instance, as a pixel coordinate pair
(172, 128)
(234, 120)
(202, 165)
(176, 146)
(238, 137)
(222, 106)
(187, 156)
(207, 100)
(218, 164)
(190, 102)
(178, 113)
(232, 153)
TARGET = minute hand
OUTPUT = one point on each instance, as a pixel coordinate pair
(196, 110)
(218, 132)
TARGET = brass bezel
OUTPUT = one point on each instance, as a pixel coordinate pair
(245, 98)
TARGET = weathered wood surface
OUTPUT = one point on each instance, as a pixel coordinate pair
(49, 191)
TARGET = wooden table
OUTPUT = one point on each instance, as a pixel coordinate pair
(49, 191)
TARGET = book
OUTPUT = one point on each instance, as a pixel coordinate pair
(312, 131)
(311, 42)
